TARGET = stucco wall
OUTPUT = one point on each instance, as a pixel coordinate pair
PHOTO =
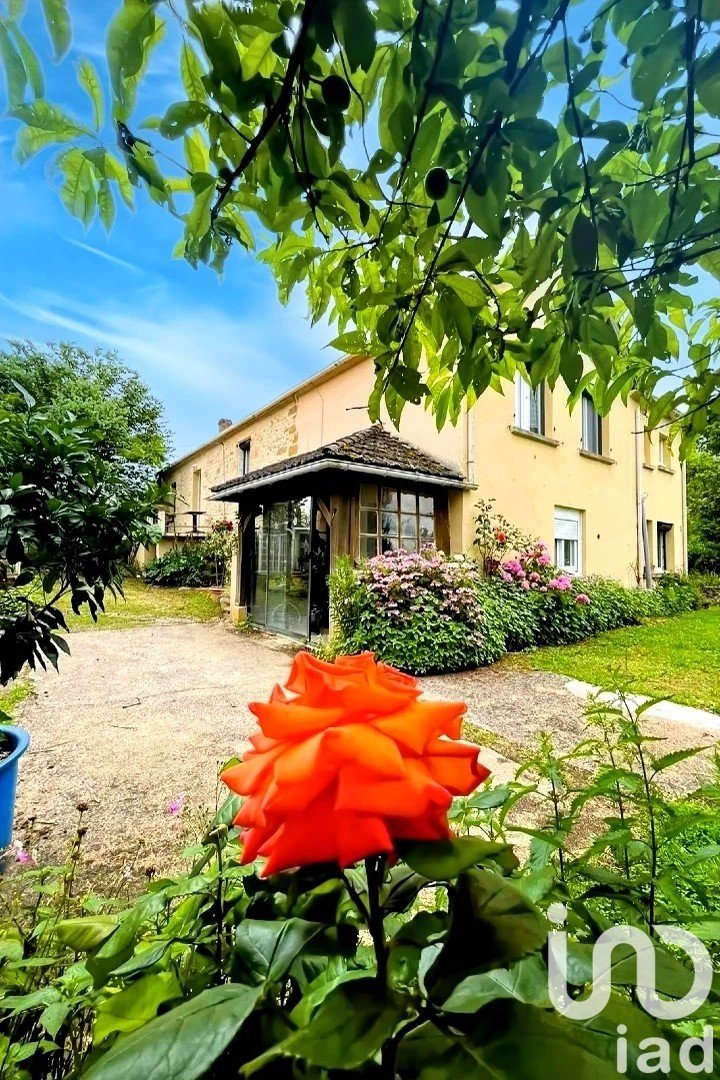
(527, 477)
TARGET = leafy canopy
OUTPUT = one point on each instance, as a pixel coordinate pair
(69, 522)
(464, 189)
(97, 389)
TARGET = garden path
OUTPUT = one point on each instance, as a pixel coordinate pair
(138, 717)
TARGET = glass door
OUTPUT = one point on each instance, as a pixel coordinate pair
(281, 577)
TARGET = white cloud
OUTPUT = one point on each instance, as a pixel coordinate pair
(230, 363)
(104, 255)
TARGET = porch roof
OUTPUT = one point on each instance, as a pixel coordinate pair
(371, 452)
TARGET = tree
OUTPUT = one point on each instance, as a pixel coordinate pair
(528, 186)
(97, 389)
(68, 521)
(703, 502)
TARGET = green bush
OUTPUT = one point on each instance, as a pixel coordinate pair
(708, 588)
(193, 564)
(421, 612)
(429, 613)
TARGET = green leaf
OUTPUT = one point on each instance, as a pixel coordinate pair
(57, 21)
(526, 981)
(78, 193)
(183, 1043)
(444, 860)
(181, 116)
(90, 82)
(708, 82)
(15, 76)
(134, 1006)
(259, 58)
(191, 73)
(106, 204)
(584, 242)
(33, 69)
(667, 760)
(349, 1028)
(355, 27)
(468, 289)
(83, 934)
(269, 948)
(130, 37)
(532, 132)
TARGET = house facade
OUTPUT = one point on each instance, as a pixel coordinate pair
(307, 479)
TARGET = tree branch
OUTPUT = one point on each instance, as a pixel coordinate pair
(274, 111)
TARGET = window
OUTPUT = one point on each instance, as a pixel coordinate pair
(647, 449)
(244, 458)
(392, 519)
(592, 441)
(568, 539)
(196, 489)
(529, 406)
(664, 545)
(664, 452)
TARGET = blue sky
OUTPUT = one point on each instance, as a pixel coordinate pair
(207, 347)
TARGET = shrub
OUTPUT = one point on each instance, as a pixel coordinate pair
(418, 611)
(193, 564)
(708, 588)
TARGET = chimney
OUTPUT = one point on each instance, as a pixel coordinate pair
(223, 425)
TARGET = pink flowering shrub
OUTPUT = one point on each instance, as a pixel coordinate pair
(420, 611)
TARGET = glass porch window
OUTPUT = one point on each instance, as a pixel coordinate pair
(391, 519)
(281, 577)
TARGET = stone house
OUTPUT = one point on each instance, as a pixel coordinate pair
(307, 479)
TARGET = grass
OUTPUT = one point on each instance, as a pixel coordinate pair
(145, 604)
(676, 658)
(14, 695)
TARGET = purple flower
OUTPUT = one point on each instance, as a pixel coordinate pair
(21, 855)
(176, 805)
(582, 598)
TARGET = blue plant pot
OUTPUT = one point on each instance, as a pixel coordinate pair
(19, 741)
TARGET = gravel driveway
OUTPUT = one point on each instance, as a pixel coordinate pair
(138, 717)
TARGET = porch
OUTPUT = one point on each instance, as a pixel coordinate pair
(363, 494)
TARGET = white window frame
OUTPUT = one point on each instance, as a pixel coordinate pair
(567, 527)
(592, 427)
(525, 396)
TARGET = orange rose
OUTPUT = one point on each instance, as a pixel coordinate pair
(348, 761)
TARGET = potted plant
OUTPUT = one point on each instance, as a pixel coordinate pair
(14, 741)
(223, 543)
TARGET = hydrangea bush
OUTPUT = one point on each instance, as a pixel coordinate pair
(429, 612)
(421, 611)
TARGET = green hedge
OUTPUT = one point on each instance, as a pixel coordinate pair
(428, 613)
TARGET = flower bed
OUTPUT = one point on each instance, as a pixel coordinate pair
(428, 612)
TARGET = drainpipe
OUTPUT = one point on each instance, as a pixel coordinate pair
(469, 445)
(683, 481)
(643, 545)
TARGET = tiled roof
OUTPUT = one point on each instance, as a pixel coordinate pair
(373, 447)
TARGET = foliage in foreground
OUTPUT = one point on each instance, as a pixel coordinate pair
(433, 966)
(427, 612)
(68, 522)
(488, 186)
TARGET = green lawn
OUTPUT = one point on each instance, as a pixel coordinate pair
(678, 658)
(144, 604)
